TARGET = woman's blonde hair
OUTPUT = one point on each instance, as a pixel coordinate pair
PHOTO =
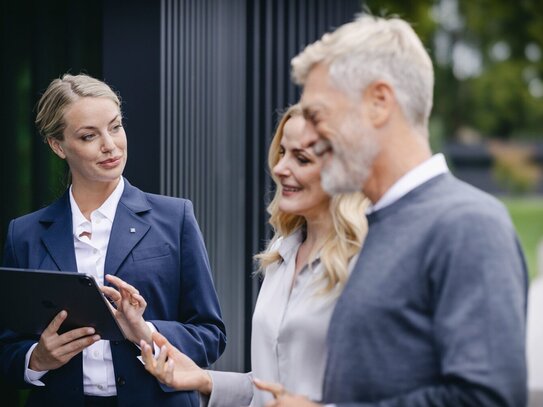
(60, 94)
(348, 220)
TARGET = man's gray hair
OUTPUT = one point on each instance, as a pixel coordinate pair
(373, 48)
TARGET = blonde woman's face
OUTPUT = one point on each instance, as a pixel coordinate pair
(298, 171)
(94, 143)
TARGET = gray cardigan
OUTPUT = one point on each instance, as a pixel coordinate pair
(434, 311)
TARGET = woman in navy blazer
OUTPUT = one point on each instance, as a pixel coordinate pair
(105, 226)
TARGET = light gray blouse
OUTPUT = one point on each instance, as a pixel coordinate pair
(288, 343)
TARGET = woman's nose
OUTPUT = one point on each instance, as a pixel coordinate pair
(280, 168)
(108, 144)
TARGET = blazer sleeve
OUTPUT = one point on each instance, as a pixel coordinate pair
(201, 335)
(13, 347)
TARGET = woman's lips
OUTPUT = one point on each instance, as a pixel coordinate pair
(288, 190)
(111, 162)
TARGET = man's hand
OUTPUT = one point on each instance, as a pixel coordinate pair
(174, 368)
(282, 397)
(54, 350)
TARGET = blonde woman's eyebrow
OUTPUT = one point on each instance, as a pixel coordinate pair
(94, 128)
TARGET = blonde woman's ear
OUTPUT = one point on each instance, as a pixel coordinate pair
(56, 147)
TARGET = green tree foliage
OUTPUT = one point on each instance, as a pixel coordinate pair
(488, 58)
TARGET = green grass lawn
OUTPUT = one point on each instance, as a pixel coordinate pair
(527, 215)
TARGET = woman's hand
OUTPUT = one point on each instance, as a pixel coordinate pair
(54, 350)
(282, 398)
(128, 310)
(174, 368)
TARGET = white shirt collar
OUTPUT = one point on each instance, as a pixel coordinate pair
(288, 245)
(432, 167)
(107, 209)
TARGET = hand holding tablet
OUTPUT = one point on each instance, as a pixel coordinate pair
(30, 301)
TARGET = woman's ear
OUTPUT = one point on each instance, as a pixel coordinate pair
(380, 101)
(56, 147)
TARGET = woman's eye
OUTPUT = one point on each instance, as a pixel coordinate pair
(117, 127)
(303, 160)
(87, 137)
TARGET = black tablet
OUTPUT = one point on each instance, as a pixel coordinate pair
(30, 299)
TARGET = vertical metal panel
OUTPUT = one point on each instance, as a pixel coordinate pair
(203, 98)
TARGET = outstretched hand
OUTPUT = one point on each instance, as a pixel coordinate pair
(128, 310)
(282, 398)
(174, 368)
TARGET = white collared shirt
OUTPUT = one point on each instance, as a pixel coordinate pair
(90, 255)
(423, 172)
(290, 323)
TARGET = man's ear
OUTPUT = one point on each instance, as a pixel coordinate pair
(56, 147)
(380, 101)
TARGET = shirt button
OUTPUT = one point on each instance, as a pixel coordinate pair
(121, 381)
(95, 251)
(100, 387)
(96, 354)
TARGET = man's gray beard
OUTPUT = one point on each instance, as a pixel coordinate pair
(349, 169)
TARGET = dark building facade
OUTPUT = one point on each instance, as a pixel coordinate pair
(202, 82)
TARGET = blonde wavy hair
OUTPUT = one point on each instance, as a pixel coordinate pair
(348, 219)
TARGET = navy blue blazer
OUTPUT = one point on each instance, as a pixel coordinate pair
(165, 259)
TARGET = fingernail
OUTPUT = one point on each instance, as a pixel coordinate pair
(96, 338)
(90, 331)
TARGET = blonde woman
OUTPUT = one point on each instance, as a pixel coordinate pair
(304, 268)
(105, 227)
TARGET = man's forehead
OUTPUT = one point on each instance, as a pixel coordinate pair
(312, 98)
(316, 88)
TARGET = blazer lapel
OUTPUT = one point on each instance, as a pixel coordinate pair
(128, 227)
(58, 238)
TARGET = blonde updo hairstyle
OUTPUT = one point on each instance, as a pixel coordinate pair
(348, 218)
(63, 92)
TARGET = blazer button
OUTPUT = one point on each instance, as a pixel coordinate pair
(121, 381)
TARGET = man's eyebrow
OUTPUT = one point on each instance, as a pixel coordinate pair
(311, 110)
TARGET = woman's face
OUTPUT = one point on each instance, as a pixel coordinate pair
(298, 170)
(94, 142)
